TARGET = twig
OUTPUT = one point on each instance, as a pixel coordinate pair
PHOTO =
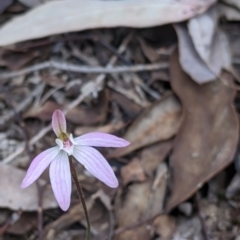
(84, 69)
(96, 84)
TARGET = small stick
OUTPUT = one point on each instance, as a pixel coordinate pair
(84, 69)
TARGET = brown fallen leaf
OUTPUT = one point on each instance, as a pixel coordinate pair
(26, 222)
(208, 137)
(158, 123)
(95, 114)
(133, 172)
(16, 60)
(153, 155)
(143, 200)
(74, 214)
(149, 52)
(108, 128)
(69, 16)
(128, 106)
(165, 226)
(15, 198)
(134, 209)
(43, 112)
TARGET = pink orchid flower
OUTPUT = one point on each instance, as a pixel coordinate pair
(80, 148)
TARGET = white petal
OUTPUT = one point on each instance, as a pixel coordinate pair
(60, 177)
(96, 164)
(38, 165)
(99, 139)
(59, 124)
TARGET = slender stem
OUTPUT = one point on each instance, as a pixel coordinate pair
(81, 196)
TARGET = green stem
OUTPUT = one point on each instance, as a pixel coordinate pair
(81, 196)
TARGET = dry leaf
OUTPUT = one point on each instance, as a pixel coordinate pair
(153, 155)
(108, 128)
(26, 222)
(133, 172)
(15, 61)
(94, 114)
(143, 201)
(43, 112)
(209, 41)
(196, 67)
(67, 16)
(164, 226)
(208, 138)
(74, 214)
(149, 52)
(134, 209)
(201, 29)
(158, 123)
(15, 198)
(128, 106)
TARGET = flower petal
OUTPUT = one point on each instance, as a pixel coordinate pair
(38, 165)
(96, 164)
(59, 124)
(60, 178)
(98, 139)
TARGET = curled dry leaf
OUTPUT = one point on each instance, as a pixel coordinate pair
(15, 198)
(67, 16)
(208, 137)
(200, 70)
(201, 29)
(158, 123)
